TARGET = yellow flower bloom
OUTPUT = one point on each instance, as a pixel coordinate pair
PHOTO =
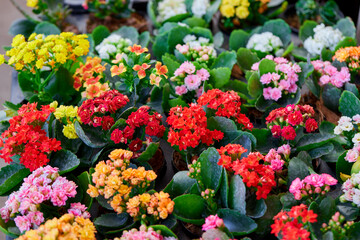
(17, 40)
(231, 2)
(69, 131)
(39, 63)
(54, 104)
(242, 12)
(32, 3)
(2, 59)
(60, 58)
(28, 57)
(227, 11)
(244, 3)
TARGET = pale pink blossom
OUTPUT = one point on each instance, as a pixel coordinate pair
(203, 74)
(181, 90)
(192, 82)
(23, 223)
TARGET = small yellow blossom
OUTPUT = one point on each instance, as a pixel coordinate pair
(227, 11)
(242, 12)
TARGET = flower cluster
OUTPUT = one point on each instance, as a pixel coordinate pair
(169, 8)
(282, 81)
(141, 64)
(125, 188)
(51, 51)
(211, 222)
(230, 9)
(312, 186)
(143, 233)
(349, 55)
(44, 185)
(265, 42)
(283, 121)
(197, 49)
(93, 112)
(25, 137)
(88, 76)
(199, 7)
(351, 189)
(188, 127)
(150, 123)
(227, 104)
(112, 46)
(295, 224)
(67, 115)
(189, 79)
(66, 227)
(256, 175)
(229, 154)
(324, 37)
(278, 157)
(102, 8)
(337, 226)
(78, 210)
(330, 74)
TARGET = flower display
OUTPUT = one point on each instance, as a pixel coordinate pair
(88, 78)
(188, 127)
(265, 42)
(324, 37)
(43, 186)
(227, 104)
(94, 112)
(283, 121)
(294, 224)
(113, 45)
(312, 186)
(254, 174)
(330, 74)
(338, 226)
(281, 82)
(25, 137)
(349, 55)
(66, 227)
(143, 233)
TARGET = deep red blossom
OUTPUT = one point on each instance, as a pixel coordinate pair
(26, 138)
(311, 125)
(288, 133)
(135, 145)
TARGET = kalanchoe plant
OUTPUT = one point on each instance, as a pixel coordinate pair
(113, 8)
(338, 227)
(148, 233)
(350, 56)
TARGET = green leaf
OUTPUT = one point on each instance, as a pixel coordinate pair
(351, 87)
(128, 32)
(144, 39)
(84, 181)
(346, 26)
(220, 76)
(12, 175)
(246, 58)
(177, 102)
(307, 30)
(210, 11)
(195, 22)
(349, 104)
(189, 208)
(306, 71)
(225, 60)
(322, 150)
(266, 66)
(238, 39)
(210, 170)
(181, 184)
(343, 166)
(22, 26)
(237, 223)
(65, 160)
(297, 169)
(7, 228)
(91, 137)
(218, 39)
(202, 32)
(288, 201)
(237, 194)
(111, 220)
(331, 96)
(171, 63)
(100, 33)
(104, 202)
(149, 152)
(313, 140)
(349, 211)
(165, 231)
(255, 208)
(255, 88)
(224, 190)
(279, 28)
(176, 36)
(264, 139)
(221, 123)
(160, 46)
(47, 28)
(274, 206)
(346, 42)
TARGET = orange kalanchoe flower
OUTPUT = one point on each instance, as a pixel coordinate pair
(118, 58)
(137, 49)
(155, 80)
(141, 69)
(118, 70)
(161, 70)
(95, 90)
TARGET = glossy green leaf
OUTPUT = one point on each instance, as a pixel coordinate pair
(237, 194)
(11, 175)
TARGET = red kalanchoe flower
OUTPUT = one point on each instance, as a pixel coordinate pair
(25, 137)
(227, 104)
(255, 174)
(294, 225)
(276, 131)
(135, 145)
(288, 133)
(188, 127)
(229, 154)
(311, 125)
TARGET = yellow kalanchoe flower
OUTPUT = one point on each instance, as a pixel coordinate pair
(227, 10)
(68, 115)
(32, 3)
(242, 12)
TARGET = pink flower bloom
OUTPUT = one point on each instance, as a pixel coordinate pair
(280, 60)
(203, 74)
(272, 154)
(270, 57)
(295, 188)
(23, 223)
(36, 197)
(314, 180)
(296, 68)
(293, 88)
(211, 222)
(255, 66)
(329, 180)
(277, 164)
(285, 150)
(183, 49)
(179, 72)
(266, 93)
(181, 90)
(356, 118)
(79, 210)
(330, 70)
(265, 78)
(188, 67)
(275, 94)
(284, 85)
(36, 218)
(205, 57)
(199, 92)
(352, 155)
(192, 82)
(58, 197)
(325, 79)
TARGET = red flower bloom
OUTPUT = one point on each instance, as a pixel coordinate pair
(311, 125)
(230, 153)
(135, 145)
(295, 118)
(117, 136)
(288, 133)
(276, 131)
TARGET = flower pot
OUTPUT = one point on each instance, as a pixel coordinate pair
(135, 20)
(158, 163)
(192, 230)
(178, 162)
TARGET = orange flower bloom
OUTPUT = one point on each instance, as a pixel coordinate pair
(137, 49)
(118, 58)
(118, 70)
(161, 69)
(155, 80)
(141, 69)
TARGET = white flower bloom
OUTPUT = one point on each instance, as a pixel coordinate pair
(189, 38)
(324, 37)
(112, 45)
(344, 119)
(204, 40)
(199, 7)
(356, 197)
(356, 139)
(347, 126)
(169, 8)
(264, 42)
(337, 130)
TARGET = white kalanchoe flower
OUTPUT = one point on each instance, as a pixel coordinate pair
(113, 45)
(324, 37)
(264, 42)
(169, 8)
(337, 130)
(199, 7)
(356, 139)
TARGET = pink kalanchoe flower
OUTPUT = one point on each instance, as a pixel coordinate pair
(188, 67)
(265, 78)
(23, 223)
(183, 49)
(328, 179)
(267, 93)
(314, 180)
(356, 118)
(181, 90)
(211, 222)
(79, 210)
(295, 188)
(203, 74)
(272, 154)
(275, 94)
(280, 60)
(36, 217)
(352, 155)
(255, 66)
(277, 164)
(284, 85)
(285, 150)
(192, 82)
(199, 92)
